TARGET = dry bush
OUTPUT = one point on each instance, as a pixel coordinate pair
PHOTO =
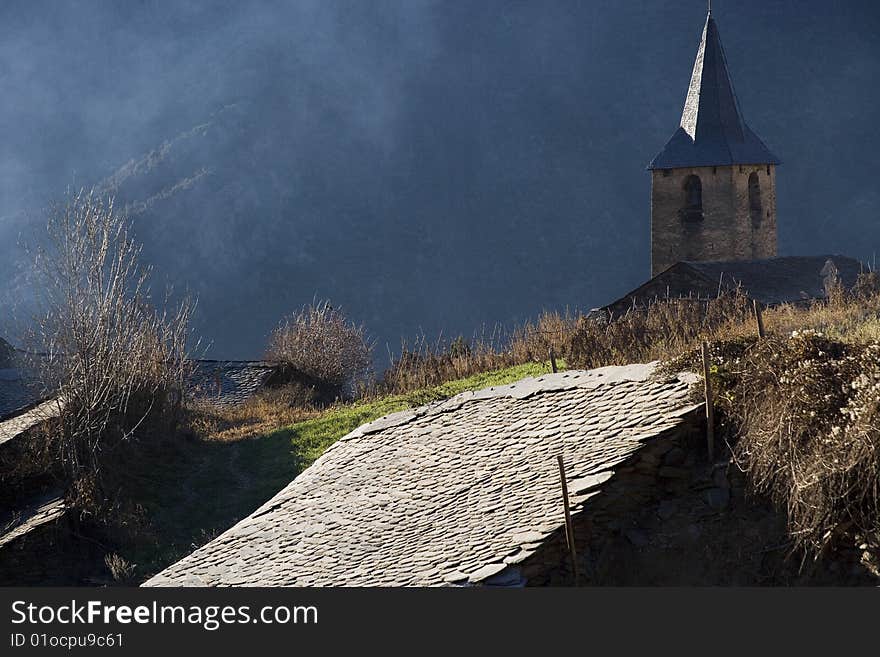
(807, 413)
(116, 363)
(423, 364)
(28, 464)
(320, 344)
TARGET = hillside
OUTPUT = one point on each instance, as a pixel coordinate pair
(187, 492)
(790, 496)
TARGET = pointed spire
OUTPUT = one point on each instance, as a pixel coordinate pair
(712, 130)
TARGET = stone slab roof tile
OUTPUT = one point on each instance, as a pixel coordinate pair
(17, 425)
(228, 382)
(42, 511)
(457, 492)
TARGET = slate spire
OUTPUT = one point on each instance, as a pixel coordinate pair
(712, 131)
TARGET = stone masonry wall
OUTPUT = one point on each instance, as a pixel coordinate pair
(662, 465)
(726, 231)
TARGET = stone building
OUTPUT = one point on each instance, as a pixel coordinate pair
(466, 492)
(771, 282)
(713, 186)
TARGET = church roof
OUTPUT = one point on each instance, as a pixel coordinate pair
(712, 130)
(771, 281)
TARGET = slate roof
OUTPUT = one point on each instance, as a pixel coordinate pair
(18, 424)
(782, 280)
(17, 392)
(712, 131)
(15, 524)
(229, 382)
(771, 281)
(456, 492)
(221, 382)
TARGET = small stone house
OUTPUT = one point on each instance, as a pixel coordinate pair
(467, 492)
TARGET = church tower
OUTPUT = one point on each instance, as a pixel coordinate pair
(713, 186)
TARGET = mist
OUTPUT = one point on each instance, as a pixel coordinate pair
(431, 167)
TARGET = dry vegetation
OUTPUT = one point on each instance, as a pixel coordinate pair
(426, 364)
(806, 409)
(800, 409)
(325, 350)
(261, 414)
(116, 363)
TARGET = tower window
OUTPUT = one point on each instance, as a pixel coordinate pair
(756, 211)
(692, 210)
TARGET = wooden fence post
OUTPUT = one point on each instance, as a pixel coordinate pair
(710, 412)
(553, 361)
(759, 319)
(569, 530)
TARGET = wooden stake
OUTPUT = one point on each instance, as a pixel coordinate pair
(569, 531)
(553, 361)
(759, 319)
(710, 413)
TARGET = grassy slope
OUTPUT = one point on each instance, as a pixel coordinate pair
(203, 487)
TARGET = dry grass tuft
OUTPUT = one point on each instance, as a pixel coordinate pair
(425, 364)
(121, 570)
(661, 332)
(261, 414)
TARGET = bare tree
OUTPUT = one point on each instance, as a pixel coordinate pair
(117, 364)
(319, 342)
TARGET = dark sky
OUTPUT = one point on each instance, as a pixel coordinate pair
(429, 166)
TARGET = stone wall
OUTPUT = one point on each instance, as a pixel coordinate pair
(669, 517)
(727, 231)
(28, 467)
(49, 554)
(638, 483)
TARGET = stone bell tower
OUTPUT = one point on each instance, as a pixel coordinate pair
(713, 186)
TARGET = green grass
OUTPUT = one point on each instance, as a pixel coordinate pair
(194, 489)
(311, 437)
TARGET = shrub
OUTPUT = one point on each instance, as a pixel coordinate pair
(323, 347)
(807, 412)
(116, 363)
